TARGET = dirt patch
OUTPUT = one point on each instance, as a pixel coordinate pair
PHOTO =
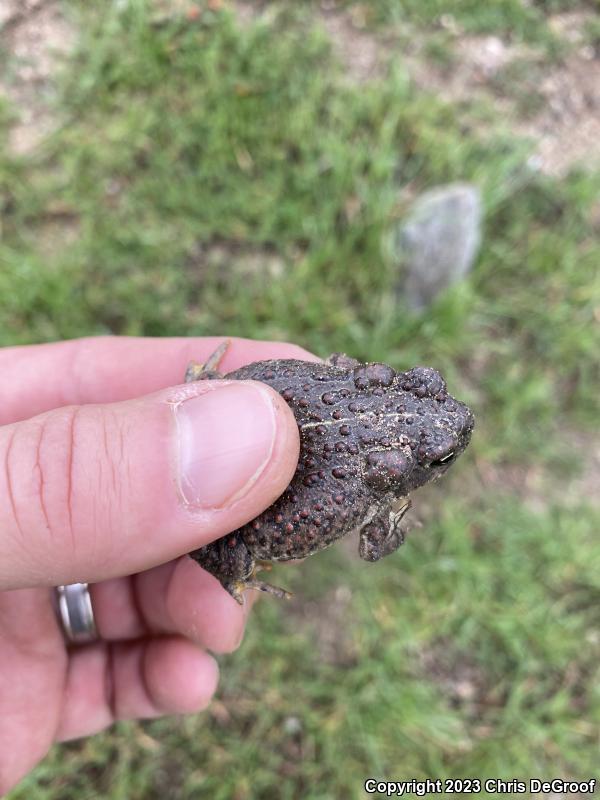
(585, 486)
(230, 261)
(538, 486)
(35, 35)
(476, 60)
(568, 129)
(464, 684)
(327, 621)
(571, 25)
(362, 54)
(557, 106)
(245, 10)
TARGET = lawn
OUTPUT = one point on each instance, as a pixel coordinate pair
(209, 174)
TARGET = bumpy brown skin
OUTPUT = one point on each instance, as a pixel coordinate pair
(368, 436)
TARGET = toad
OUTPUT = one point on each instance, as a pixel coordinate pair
(369, 435)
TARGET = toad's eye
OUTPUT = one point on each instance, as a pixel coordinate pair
(438, 448)
(447, 459)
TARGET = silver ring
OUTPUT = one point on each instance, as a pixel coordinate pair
(76, 613)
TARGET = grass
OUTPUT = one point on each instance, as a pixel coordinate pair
(189, 153)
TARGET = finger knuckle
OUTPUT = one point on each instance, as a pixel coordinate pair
(39, 460)
(64, 484)
(58, 468)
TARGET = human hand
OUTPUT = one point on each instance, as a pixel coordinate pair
(109, 478)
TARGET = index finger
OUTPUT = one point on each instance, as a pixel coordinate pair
(106, 369)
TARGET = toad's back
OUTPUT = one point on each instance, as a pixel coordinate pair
(326, 498)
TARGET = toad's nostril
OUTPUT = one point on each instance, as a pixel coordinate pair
(469, 423)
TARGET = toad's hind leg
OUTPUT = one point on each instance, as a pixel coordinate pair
(266, 566)
(233, 565)
(210, 369)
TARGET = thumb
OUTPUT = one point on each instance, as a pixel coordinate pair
(95, 491)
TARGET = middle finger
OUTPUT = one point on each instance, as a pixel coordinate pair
(178, 597)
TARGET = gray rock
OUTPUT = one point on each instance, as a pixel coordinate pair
(438, 242)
